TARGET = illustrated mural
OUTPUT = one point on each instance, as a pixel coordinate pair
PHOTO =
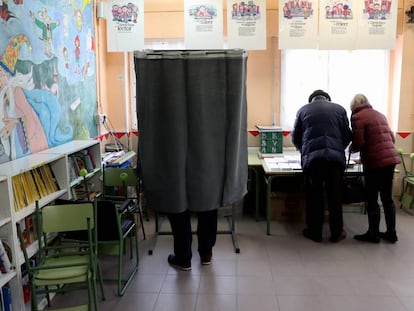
(47, 75)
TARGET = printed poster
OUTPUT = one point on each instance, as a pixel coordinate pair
(298, 24)
(125, 25)
(338, 24)
(203, 23)
(246, 24)
(377, 24)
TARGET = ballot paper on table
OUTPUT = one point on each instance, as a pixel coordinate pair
(281, 163)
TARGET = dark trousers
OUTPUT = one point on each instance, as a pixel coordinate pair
(182, 232)
(324, 179)
(379, 181)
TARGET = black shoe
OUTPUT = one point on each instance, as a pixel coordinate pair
(184, 266)
(389, 236)
(306, 233)
(340, 237)
(206, 260)
(367, 237)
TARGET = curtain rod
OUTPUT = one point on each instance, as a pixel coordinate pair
(188, 53)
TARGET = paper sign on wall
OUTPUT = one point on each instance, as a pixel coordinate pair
(203, 22)
(377, 24)
(337, 24)
(125, 25)
(298, 24)
(246, 24)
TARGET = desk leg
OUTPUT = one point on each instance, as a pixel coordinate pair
(268, 180)
(256, 194)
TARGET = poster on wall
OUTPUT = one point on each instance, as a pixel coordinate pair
(298, 24)
(377, 24)
(125, 25)
(337, 24)
(203, 24)
(246, 24)
(47, 75)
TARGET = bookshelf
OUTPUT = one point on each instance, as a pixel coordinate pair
(43, 176)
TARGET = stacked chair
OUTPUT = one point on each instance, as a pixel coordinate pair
(64, 264)
(117, 209)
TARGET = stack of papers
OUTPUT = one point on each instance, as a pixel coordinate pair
(283, 163)
(269, 128)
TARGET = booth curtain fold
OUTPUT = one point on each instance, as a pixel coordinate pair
(192, 119)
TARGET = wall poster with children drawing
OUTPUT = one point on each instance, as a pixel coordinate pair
(47, 75)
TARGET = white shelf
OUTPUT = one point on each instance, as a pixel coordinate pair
(57, 159)
(28, 163)
(71, 147)
(6, 278)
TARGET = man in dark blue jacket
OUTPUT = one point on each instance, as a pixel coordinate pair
(321, 133)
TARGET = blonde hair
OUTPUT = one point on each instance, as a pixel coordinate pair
(358, 99)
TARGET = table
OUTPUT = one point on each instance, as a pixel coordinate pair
(270, 174)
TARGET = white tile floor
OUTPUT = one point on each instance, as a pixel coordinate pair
(281, 272)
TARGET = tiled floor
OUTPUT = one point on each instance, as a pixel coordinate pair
(283, 272)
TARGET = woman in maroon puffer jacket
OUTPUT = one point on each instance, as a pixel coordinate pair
(375, 141)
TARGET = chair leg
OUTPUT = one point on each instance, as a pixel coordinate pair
(100, 280)
(124, 283)
(142, 223)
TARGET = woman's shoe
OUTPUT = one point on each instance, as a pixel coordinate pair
(367, 237)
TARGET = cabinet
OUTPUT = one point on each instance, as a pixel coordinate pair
(57, 161)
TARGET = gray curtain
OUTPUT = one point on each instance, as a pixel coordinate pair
(191, 109)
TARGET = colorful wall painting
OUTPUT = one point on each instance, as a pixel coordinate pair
(47, 75)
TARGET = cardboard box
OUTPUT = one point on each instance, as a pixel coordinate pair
(288, 207)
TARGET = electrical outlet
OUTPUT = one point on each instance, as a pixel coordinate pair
(102, 118)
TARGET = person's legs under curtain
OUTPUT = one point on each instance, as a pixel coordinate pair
(181, 230)
(206, 234)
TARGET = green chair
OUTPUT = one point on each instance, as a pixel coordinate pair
(116, 227)
(407, 192)
(120, 184)
(59, 267)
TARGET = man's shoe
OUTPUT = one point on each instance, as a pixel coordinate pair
(184, 266)
(338, 238)
(367, 237)
(389, 236)
(306, 233)
(206, 260)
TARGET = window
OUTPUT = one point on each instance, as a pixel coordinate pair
(340, 73)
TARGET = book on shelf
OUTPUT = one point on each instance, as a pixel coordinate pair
(39, 182)
(30, 229)
(26, 190)
(49, 179)
(19, 197)
(6, 298)
(81, 193)
(5, 254)
(32, 186)
(73, 169)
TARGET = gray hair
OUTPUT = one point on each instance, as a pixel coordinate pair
(358, 99)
